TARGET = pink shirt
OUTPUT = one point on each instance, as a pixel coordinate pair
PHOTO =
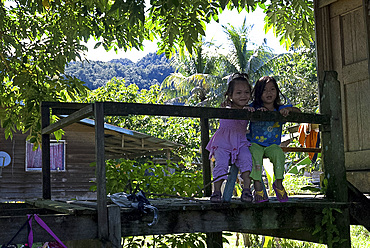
(230, 136)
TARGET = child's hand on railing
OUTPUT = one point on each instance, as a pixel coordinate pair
(250, 109)
(285, 112)
(262, 109)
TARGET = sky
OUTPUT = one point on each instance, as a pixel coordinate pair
(213, 31)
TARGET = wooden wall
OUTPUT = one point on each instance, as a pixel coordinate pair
(17, 184)
(342, 40)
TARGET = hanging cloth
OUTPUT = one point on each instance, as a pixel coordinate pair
(309, 137)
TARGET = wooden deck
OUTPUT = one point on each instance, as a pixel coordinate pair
(295, 219)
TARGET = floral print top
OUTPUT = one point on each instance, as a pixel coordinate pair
(266, 133)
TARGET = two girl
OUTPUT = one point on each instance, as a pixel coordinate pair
(263, 140)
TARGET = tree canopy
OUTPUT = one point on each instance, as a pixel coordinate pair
(39, 38)
(149, 70)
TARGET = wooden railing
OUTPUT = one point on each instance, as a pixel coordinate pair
(330, 120)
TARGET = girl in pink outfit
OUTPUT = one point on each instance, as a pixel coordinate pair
(229, 143)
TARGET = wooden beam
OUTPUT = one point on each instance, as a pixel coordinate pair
(366, 6)
(204, 127)
(61, 207)
(45, 153)
(114, 213)
(323, 39)
(64, 108)
(323, 3)
(294, 219)
(301, 149)
(123, 109)
(333, 141)
(148, 148)
(72, 118)
(100, 172)
(214, 240)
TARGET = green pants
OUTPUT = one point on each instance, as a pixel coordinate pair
(274, 153)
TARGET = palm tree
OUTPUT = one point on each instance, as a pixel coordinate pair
(199, 78)
(255, 62)
(196, 76)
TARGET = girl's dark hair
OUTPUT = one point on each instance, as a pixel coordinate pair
(235, 77)
(258, 91)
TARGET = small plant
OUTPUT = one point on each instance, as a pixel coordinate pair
(328, 231)
(169, 240)
(159, 180)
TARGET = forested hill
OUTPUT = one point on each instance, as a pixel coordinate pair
(151, 69)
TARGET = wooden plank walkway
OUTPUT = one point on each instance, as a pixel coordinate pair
(77, 220)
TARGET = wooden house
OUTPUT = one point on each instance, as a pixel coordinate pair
(343, 45)
(71, 173)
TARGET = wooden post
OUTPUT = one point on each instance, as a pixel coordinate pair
(366, 4)
(100, 173)
(204, 127)
(333, 152)
(114, 214)
(214, 239)
(45, 151)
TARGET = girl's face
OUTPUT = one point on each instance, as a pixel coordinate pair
(269, 93)
(241, 94)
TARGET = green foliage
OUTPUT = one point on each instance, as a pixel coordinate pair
(297, 78)
(184, 131)
(127, 175)
(190, 240)
(150, 70)
(360, 237)
(292, 21)
(288, 243)
(327, 230)
(200, 76)
(197, 79)
(255, 62)
(38, 39)
(185, 21)
(296, 185)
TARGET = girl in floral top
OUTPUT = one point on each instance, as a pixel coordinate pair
(265, 137)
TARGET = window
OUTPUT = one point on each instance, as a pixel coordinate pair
(57, 156)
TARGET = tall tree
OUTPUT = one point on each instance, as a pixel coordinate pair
(38, 38)
(245, 56)
(297, 78)
(197, 75)
(200, 76)
(292, 21)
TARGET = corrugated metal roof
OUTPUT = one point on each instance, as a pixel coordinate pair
(124, 143)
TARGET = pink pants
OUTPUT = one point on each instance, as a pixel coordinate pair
(222, 159)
